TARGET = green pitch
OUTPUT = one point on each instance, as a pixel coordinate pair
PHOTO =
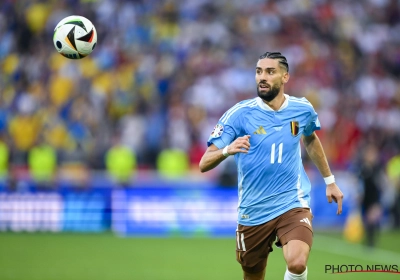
(106, 257)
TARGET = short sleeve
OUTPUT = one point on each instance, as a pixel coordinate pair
(222, 135)
(313, 124)
(229, 126)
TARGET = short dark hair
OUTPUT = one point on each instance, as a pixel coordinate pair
(276, 55)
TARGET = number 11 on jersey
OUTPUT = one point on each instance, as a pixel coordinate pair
(280, 148)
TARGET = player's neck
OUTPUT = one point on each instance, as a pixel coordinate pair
(277, 102)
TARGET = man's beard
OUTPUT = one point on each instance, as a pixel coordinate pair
(270, 94)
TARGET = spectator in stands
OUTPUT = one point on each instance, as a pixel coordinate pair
(162, 69)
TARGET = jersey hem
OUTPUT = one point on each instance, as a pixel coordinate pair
(273, 217)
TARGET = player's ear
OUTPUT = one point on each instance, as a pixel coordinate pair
(285, 77)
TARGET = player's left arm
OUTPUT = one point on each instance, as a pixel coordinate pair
(316, 152)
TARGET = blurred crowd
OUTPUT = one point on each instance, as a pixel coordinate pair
(163, 72)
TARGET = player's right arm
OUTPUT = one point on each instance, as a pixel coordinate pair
(214, 156)
(227, 134)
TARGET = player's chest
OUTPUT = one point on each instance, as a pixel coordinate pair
(273, 128)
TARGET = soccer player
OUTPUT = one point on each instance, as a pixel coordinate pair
(264, 136)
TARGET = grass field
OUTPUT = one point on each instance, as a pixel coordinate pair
(44, 256)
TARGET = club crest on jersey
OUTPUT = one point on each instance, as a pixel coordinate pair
(294, 128)
(217, 131)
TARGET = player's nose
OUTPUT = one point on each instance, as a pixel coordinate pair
(264, 77)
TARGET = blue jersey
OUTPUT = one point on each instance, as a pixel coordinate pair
(271, 177)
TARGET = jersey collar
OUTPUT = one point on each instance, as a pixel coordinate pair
(264, 106)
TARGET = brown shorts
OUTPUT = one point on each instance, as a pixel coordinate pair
(254, 243)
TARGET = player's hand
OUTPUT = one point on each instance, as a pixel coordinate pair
(240, 145)
(334, 193)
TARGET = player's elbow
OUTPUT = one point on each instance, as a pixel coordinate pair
(203, 166)
(208, 161)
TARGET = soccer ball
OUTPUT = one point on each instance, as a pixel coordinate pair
(75, 37)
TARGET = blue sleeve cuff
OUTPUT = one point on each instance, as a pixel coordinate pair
(312, 130)
(217, 142)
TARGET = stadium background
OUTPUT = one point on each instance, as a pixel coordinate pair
(108, 146)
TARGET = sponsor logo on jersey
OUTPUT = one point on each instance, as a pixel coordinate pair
(260, 130)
